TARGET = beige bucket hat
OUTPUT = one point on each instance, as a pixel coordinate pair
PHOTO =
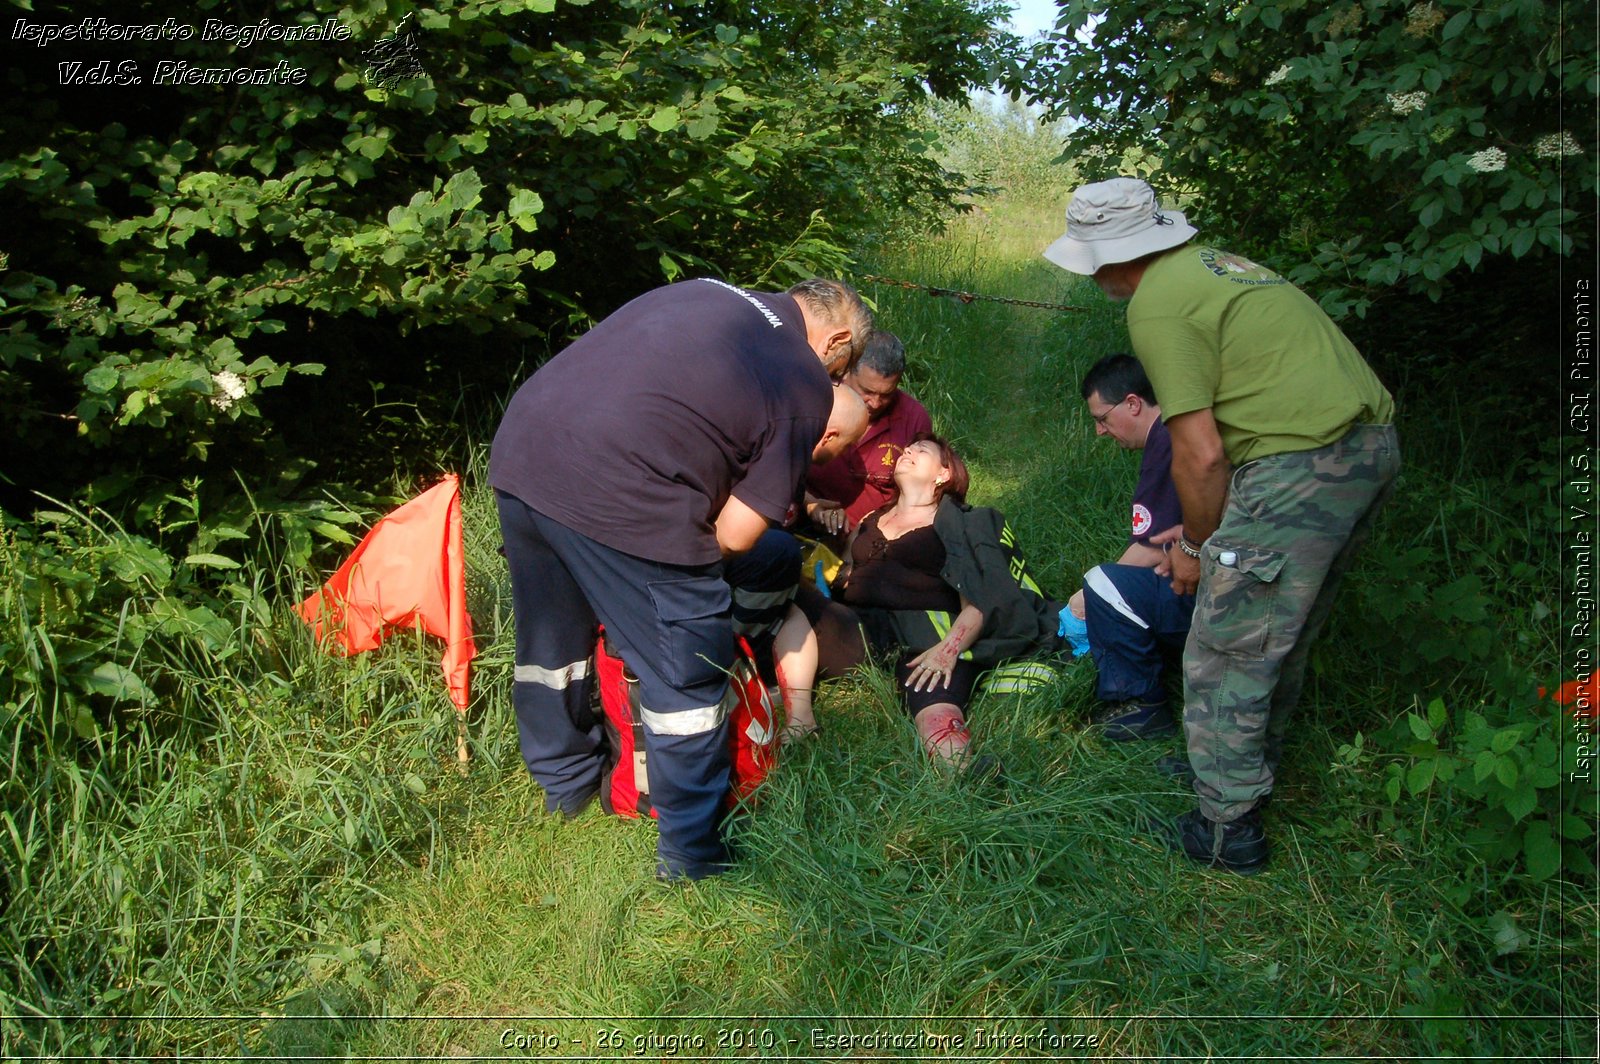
(1116, 221)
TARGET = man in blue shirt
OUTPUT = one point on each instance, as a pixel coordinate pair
(1133, 617)
(625, 470)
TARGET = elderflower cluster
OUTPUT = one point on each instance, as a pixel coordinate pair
(1487, 161)
(1403, 103)
(1277, 76)
(1555, 145)
(1423, 19)
(71, 314)
(229, 389)
(1346, 21)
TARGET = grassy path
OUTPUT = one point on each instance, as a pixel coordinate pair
(873, 886)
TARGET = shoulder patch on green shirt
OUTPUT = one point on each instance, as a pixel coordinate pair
(1237, 268)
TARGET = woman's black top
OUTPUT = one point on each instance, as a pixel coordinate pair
(898, 574)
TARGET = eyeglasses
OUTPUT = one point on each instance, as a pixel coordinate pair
(1100, 418)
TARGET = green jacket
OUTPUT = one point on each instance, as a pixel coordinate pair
(984, 562)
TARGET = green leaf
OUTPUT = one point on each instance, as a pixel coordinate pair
(1505, 739)
(118, 682)
(1436, 714)
(1575, 827)
(101, 379)
(1505, 770)
(664, 119)
(1508, 937)
(523, 208)
(1522, 801)
(214, 561)
(415, 785)
(463, 190)
(1419, 727)
(1420, 777)
(83, 722)
(1457, 23)
(1541, 850)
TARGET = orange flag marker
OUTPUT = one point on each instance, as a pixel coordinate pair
(1581, 696)
(410, 572)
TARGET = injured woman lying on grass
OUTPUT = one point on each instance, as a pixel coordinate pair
(931, 584)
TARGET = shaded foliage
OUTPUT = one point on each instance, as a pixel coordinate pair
(409, 206)
(1384, 146)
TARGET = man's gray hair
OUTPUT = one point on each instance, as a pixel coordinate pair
(838, 305)
(885, 355)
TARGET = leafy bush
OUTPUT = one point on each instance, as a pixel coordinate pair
(1499, 773)
(551, 160)
(1379, 144)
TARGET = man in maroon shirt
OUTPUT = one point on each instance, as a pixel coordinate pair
(842, 492)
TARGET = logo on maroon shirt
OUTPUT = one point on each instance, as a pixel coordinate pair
(1141, 519)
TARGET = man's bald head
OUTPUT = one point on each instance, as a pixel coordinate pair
(847, 423)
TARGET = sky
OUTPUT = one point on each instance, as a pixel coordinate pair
(1031, 16)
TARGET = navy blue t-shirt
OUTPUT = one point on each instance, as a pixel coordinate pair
(1155, 500)
(636, 434)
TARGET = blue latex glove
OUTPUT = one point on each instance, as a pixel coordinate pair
(1074, 630)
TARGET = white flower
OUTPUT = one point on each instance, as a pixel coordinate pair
(1404, 103)
(1488, 161)
(1553, 145)
(1423, 19)
(229, 389)
(1277, 76)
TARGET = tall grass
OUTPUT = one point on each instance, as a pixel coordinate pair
(274, 854)
(204, 846)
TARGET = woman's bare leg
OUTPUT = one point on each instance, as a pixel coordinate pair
(943, 730)
(794, 649)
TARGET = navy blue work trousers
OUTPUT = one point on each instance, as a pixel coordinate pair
(1134, 621)
(671, 625)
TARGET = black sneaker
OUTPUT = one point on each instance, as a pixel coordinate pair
(1239, 846)
(1125, 721)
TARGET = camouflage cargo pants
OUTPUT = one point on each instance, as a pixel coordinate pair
(1267, 580)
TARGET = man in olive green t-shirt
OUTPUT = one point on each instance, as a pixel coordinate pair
(1283, 451)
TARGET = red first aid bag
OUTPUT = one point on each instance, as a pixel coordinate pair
(625, 776)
